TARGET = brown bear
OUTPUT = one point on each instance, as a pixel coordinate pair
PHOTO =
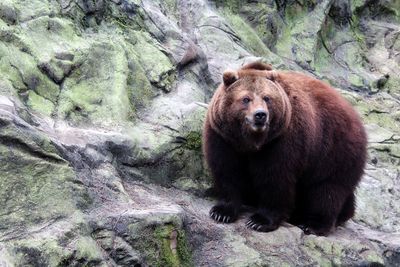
(285, 143)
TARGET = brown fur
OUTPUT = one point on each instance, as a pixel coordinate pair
(303, 167)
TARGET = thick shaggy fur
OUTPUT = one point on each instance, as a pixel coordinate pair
(303, 168)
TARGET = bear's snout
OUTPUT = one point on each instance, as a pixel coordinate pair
(258, 120)
(260, 117)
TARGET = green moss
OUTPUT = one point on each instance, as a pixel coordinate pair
(28, 9)
(174, 248)
(157, 66)
(123, 20)
(393, 85)
(40, 104)
(247, 35)
(183, 249)
(6, 88)
(45, 36)
(168, 257)
(326, 252)
(377, 111)
(304, 24)
(255, 27)
(383, 120)
(323, 57)
(231, 5)
(51, 251)
(28, 255)
(318, 249)
(193, 141)
(246, 255)
(356, 80)
(165, 246)
(267, 22)
(295, 12)
(102, 96)
(87, 250)
(39, 249)
(355, 30)
(171, 7)
(36, 185)
(294, 24)
(394, 7)
(22, 71)
(30, 190)
(356, 4)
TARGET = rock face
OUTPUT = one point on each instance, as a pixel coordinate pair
(100, 127)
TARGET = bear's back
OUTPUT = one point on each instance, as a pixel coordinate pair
(336, 130)
(324, 100)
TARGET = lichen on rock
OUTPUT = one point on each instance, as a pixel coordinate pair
(101, 113)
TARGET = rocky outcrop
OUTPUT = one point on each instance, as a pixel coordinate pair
(100, 128)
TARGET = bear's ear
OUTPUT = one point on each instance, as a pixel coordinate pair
(271, 75)
(230, 77)
(258, 65)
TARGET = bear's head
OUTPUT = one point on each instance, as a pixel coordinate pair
(250, 108)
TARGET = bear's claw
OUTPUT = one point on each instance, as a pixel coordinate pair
(253, 225)
(223, 213)
(220, 218)
(261, 223)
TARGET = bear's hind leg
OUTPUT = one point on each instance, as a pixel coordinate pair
(347, 211)
(323, 204)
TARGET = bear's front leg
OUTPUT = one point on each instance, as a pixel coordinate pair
(227, 169)
(269, 216)
(228, 177)
(276, 192)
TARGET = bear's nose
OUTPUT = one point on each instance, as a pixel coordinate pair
(260, 116)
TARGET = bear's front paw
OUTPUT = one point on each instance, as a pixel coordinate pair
(262, 223)
(225, 213)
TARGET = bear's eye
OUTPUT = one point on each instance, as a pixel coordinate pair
(246, 100)
(266, 99)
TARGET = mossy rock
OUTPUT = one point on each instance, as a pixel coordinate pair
(166, 246)
(21, 70)
(247, 35)
(158, 67)
(36, 185)
(40, 104)
(101, 98)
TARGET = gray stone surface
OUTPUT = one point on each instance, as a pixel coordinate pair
(101, 110)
